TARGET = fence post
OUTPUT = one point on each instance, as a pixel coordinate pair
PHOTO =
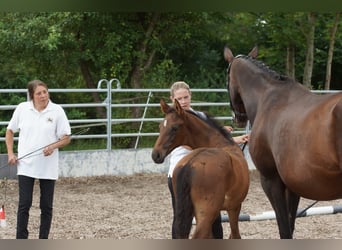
(118, 86)
(108, 101)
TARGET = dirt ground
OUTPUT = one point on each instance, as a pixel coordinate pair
(139, 207)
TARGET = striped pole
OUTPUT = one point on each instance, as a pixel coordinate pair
(270, 215)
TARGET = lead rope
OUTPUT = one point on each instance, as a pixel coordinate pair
(248, 130)
(302, 212)
(243, 146)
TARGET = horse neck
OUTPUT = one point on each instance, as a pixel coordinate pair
(251, 97)
(263, 96)
(199, 135)
(258, 89)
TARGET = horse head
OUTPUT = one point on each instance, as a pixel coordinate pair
(171, 133)
(236, 102)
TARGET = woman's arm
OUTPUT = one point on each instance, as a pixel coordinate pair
(63, 141)
(12, 158)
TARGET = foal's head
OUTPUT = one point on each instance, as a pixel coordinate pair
(184, 127)
(172, 132)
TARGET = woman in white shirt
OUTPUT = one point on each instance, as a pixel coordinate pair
(181, 92)
(39, 122)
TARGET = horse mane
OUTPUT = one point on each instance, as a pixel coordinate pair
(273, 74)
(212, 122)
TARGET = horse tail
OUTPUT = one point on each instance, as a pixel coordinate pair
(183, 204)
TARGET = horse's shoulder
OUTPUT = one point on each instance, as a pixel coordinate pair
(338, 108)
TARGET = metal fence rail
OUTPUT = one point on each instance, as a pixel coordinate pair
(109, 91)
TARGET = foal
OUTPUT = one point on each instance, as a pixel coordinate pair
(213, 177)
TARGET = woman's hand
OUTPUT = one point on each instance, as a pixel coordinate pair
(48, 151)
(241, 139)
(229, 128)
(12, 159)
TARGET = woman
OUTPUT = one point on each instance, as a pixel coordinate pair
(181, 92)
(39, 122)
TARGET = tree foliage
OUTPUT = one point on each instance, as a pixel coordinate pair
(152, 50)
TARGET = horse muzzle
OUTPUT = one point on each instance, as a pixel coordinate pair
(157, 157)
(240, 119)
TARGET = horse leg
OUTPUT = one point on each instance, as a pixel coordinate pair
(234, 222)
(203, 228)
(206, 217)
(217, 228)
(203, 231)
(292, 201)
(275, 191)
(182, 227)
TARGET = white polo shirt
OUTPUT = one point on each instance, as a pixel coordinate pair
(175, 156)
(36, 130)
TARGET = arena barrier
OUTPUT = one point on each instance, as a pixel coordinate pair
(270, 215)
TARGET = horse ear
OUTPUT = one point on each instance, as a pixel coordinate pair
(254, 52)
(178, 107)
(228, 55)
(165, 108)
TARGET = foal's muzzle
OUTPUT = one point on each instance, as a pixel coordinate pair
(157, 157)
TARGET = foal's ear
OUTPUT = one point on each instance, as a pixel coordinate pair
(228, 55)
(178, 107)
(165, 108)
(254, 52)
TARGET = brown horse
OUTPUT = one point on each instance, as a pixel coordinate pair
(296, 138)
(213, 177)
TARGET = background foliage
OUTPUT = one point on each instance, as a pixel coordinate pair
(152, 50)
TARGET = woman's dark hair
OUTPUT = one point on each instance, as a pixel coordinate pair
(32, 85)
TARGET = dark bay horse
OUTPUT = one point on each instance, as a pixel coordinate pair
(296, 138)
(213, 177)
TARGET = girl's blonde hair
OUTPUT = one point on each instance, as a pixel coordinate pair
(179, 85)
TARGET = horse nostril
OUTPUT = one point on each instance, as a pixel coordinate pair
(156, 157)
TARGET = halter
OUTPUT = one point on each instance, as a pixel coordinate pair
(228, 80)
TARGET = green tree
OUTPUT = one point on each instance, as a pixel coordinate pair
(152, 50)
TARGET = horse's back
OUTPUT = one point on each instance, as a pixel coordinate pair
(220, 169)
(311, 125)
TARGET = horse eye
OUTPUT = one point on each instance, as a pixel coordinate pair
(174, 128)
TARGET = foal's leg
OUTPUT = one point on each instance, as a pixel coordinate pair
(204, 223)
(276, 192)
(234, 222)
(217, 228)
(203, 229)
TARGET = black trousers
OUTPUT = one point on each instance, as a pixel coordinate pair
(216, 228)
(47, 188)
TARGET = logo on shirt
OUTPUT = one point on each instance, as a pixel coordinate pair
(49, 119)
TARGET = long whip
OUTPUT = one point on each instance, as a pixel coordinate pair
(82, 131)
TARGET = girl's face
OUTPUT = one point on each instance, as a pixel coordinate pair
(183, 96)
